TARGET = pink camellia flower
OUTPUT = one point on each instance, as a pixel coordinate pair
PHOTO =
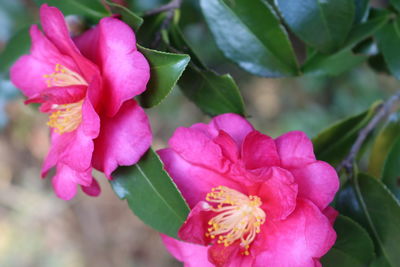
(86, 85)
(255, 201)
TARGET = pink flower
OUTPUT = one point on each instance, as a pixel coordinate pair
(86, 85)
(255, 201)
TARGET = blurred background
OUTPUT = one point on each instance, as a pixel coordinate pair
(38, 230)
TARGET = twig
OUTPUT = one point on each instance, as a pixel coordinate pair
(171, 6)
(381, 112)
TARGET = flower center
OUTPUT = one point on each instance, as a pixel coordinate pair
(63, 77)
(65, 117)
(239, 217)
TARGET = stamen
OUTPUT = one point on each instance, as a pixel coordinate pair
(64, 77)
(239, 217)
(65, 118)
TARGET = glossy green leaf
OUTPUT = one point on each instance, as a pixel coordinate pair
(366, 29)
(382, 145)
(371, 204)
(389, 42)
(151, 194)
(127, 16)
(166, 69)
(214, 94)
(250, 34)
(324, 25)
(17, 46)
(353, 247)
(333, 143)
(362, 7)
(391, 170)
(90, 8)
(325, 64)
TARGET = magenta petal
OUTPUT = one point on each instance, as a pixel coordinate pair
(56, 30)
(278, 194)
(93, 189)
(64, 182)
(59, 95)
(259, 150)
(331, 214)
(197, 148)
(193, 181)
(191, 254)
(317, 182)
(236, 126)
(123, 139)
(228, 146)
(295, 149)
(305, 236)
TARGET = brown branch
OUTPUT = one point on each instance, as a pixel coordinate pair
(381, 112)
(171, 6)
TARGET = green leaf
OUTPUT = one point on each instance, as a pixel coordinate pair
(90, 8)
(353, 245)
(332, 65)
(375, 208)
(382, 145)
(151, 194)
(396, 4)
(333, 143)
(362, 7)
(127, 16)
(214, 94)
(250, 34)
(366, 29)
(324, 25)
(388, 42)
(166, 69)
(17, 46)
(391, 171)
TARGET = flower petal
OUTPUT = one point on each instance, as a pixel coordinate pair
(56, 30)
(192, 255)
(278, 193)
(305, 236)
(93, 189)
(295, 149)
(123, 139)
(66, 179)
(259, 150)
(317, 182)
(236, 126)
(59, 95)
(125, 70)
(197, 148)
(193, 181)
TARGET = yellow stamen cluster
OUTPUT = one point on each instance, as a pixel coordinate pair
(63, 77)
(65, 118)
(239, 217)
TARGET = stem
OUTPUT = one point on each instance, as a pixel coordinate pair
(381, 112)
(171, 6)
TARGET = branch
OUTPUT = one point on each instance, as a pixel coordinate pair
(381, 112)
(171, 6)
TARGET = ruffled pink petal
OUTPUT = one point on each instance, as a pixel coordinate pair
(28, 71)
(196, 225)
(93, 189)
(228, 146)
(193, 181)
(317, 182)
(59, 95)
(331, 214)
(278, 194)
(259, 150)
(306, 235)
(123, 139)
(197, 148)
(56, 30)
(191, 255)
(125, 70)
(295, 149)
(236, 126)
